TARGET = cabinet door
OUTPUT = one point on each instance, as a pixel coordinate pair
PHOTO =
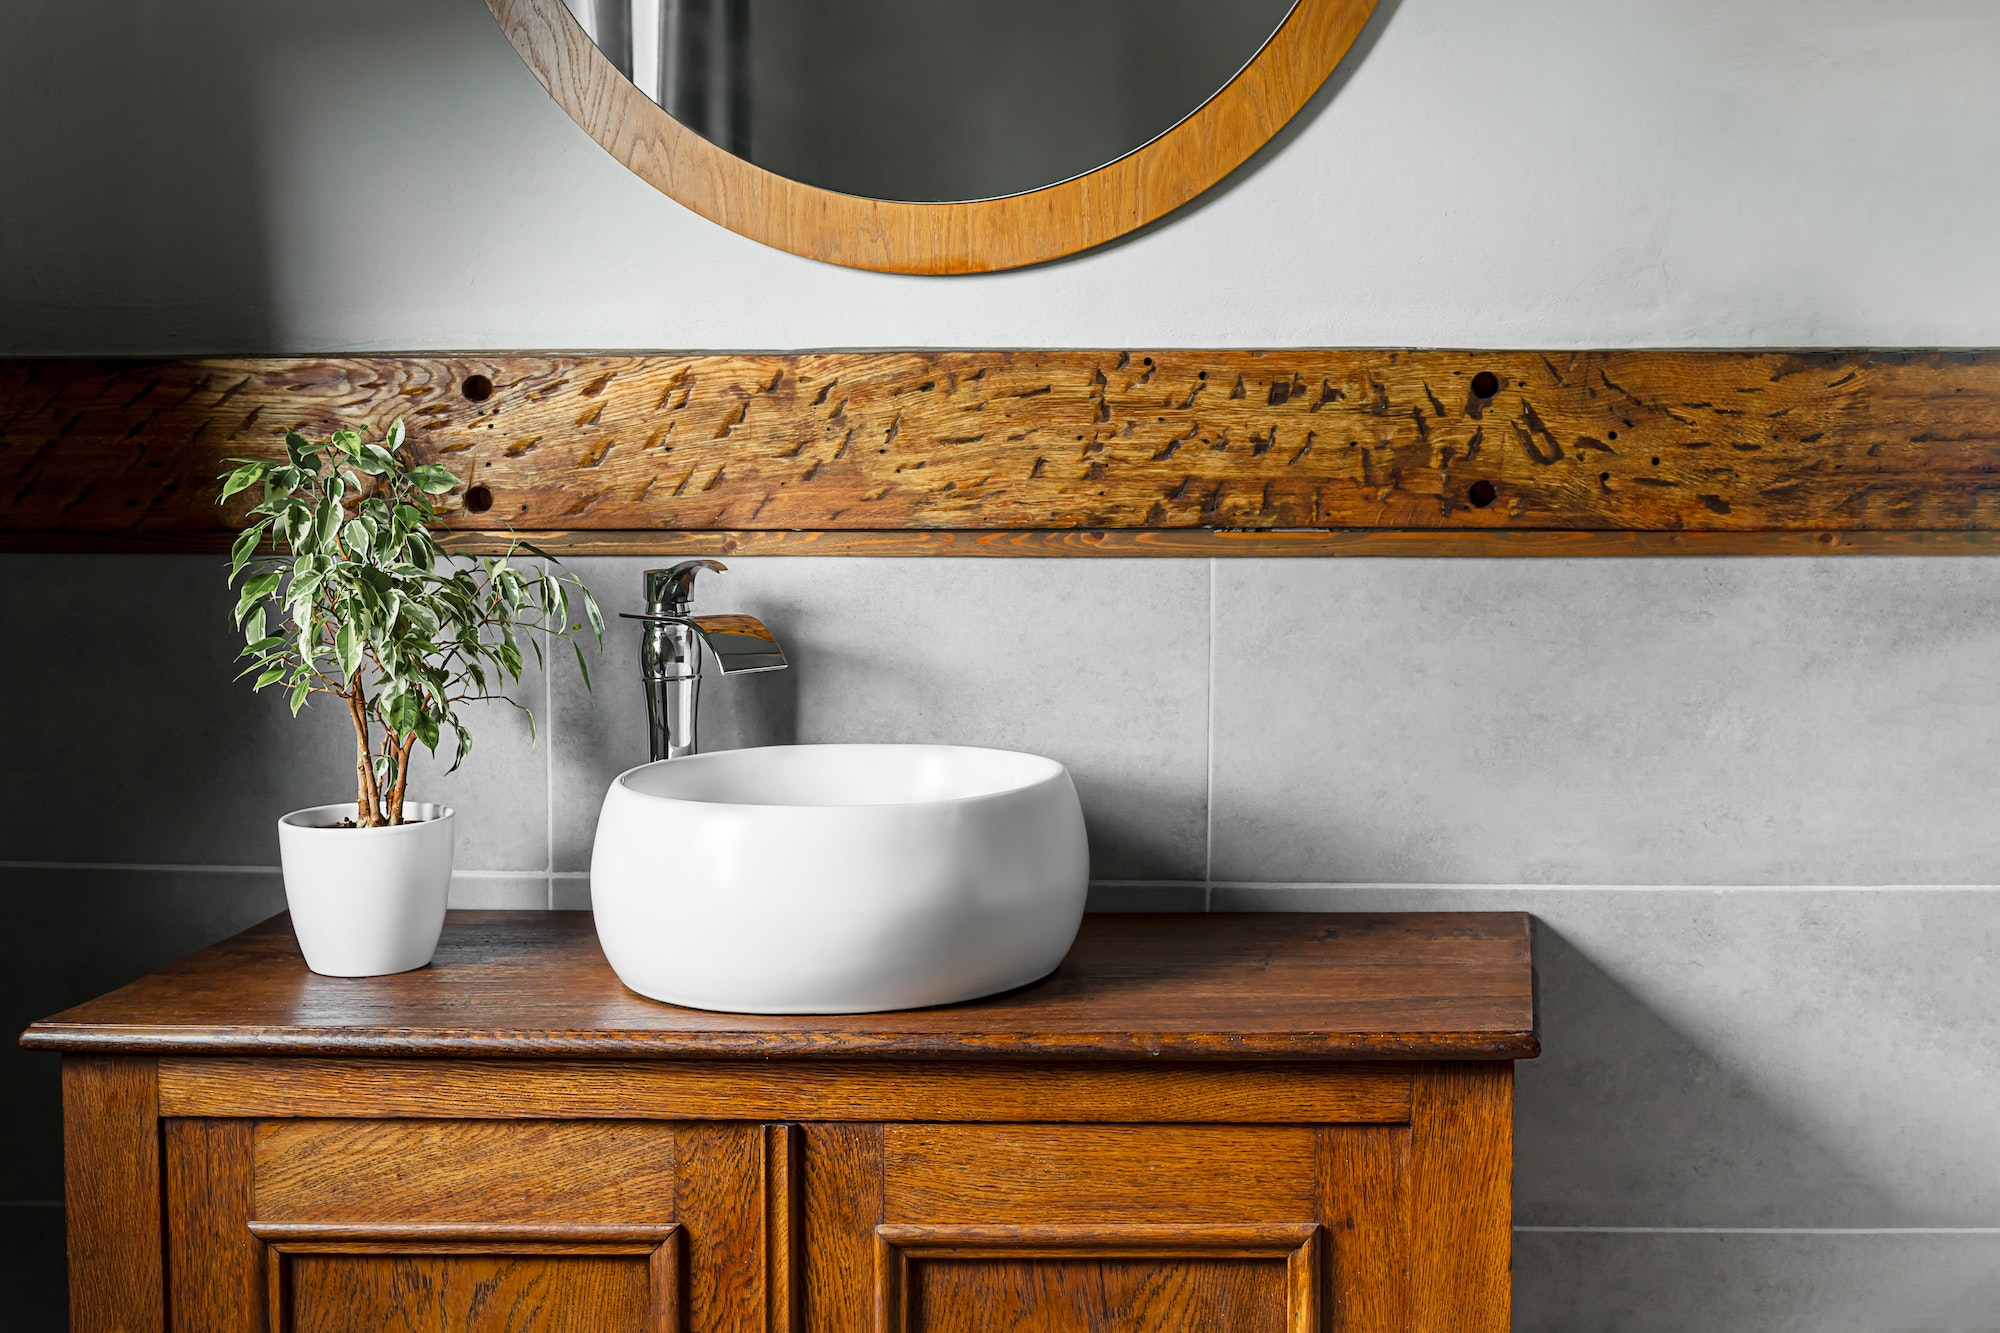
(523, 1226)
(943, 1228)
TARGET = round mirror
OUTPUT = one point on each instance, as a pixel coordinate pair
(929, 101)
(932, 136)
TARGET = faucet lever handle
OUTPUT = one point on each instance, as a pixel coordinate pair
(668, 591)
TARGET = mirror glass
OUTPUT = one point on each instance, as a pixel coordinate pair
(930, 101)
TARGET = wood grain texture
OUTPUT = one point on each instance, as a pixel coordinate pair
(795, 1090)
(451, 1172)
(1059, 452)
(502, 1277)
(1258, 987)
(1168, 1175)
(1178, 1295)
(784, 1210)
(1364, 1201)
(1461, 1199)
(843, 1207)
(981, 236)
(1094, 1278)
(112, 1194)
(340, 1293)
(215, 1266)
(724, 1186)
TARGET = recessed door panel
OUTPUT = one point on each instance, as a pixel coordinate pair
(1097, 1296)
(541, 1293)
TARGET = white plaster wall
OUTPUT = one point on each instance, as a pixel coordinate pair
(1547, 173)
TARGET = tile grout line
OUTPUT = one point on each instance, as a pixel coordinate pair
(1208, 762)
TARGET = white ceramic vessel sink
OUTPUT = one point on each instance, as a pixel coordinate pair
(823, 879)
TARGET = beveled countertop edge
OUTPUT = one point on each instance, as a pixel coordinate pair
(829, 1044)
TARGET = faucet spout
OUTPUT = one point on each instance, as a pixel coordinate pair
(670, 657)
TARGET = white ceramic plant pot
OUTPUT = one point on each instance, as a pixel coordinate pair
(366, 901)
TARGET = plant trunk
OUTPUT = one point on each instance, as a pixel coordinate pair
(368, 797)
(403, 747)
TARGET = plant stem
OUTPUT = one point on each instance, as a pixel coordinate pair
(403, 748)
(368, 799)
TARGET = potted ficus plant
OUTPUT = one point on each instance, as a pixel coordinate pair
(356, 601)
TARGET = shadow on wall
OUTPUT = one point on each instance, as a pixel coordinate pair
(132, 201)
(1624, 1121)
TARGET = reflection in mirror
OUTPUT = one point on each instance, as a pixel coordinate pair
(929, 101)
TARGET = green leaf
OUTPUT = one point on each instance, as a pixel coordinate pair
(245, 546)
(270, 674)
(325, 522)
(303, 452)
(432, 479)
(395, 437)
(298, 699)
(359, 536)
(462, 744)
(242, 479)
(347, 650)
(375, 460)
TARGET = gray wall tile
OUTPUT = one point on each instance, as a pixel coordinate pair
(1116, 896)
(493, 892)
(569, 892)
(1607, 721)
(33, 1269)
(1101, 664)
(129, 662)
(1746, 1057)
(73, 935)
(1732, 1283)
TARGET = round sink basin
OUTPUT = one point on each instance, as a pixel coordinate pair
(838, 879)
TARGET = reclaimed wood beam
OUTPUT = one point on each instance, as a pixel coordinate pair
(1056, 452)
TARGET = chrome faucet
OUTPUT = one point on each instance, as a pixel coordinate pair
(670, 653)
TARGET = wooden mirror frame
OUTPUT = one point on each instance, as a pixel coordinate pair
(896, 237)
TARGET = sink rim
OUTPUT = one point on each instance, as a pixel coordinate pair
(1055, 771)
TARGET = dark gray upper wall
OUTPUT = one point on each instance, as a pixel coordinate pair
(971, 99)
(387, 174)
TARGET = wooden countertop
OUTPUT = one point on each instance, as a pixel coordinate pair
(1262, 986)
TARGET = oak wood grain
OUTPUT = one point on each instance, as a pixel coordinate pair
(784, 1216)
(724, 1185)
(1364, 1200)
(380, 1171)
(1174, 1295)
(1161, 1174)
(795, 1090)
(338, 1293)
(215, 1268)
(112, 1195)
(1248, 987)
(1058, 452)
(980, 236)
(1062, 1276)
(843, 1208)
(1461, 1199)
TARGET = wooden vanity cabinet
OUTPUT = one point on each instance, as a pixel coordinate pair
(1260, 1123)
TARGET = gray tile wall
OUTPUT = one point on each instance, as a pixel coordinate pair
(1772, 1087)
